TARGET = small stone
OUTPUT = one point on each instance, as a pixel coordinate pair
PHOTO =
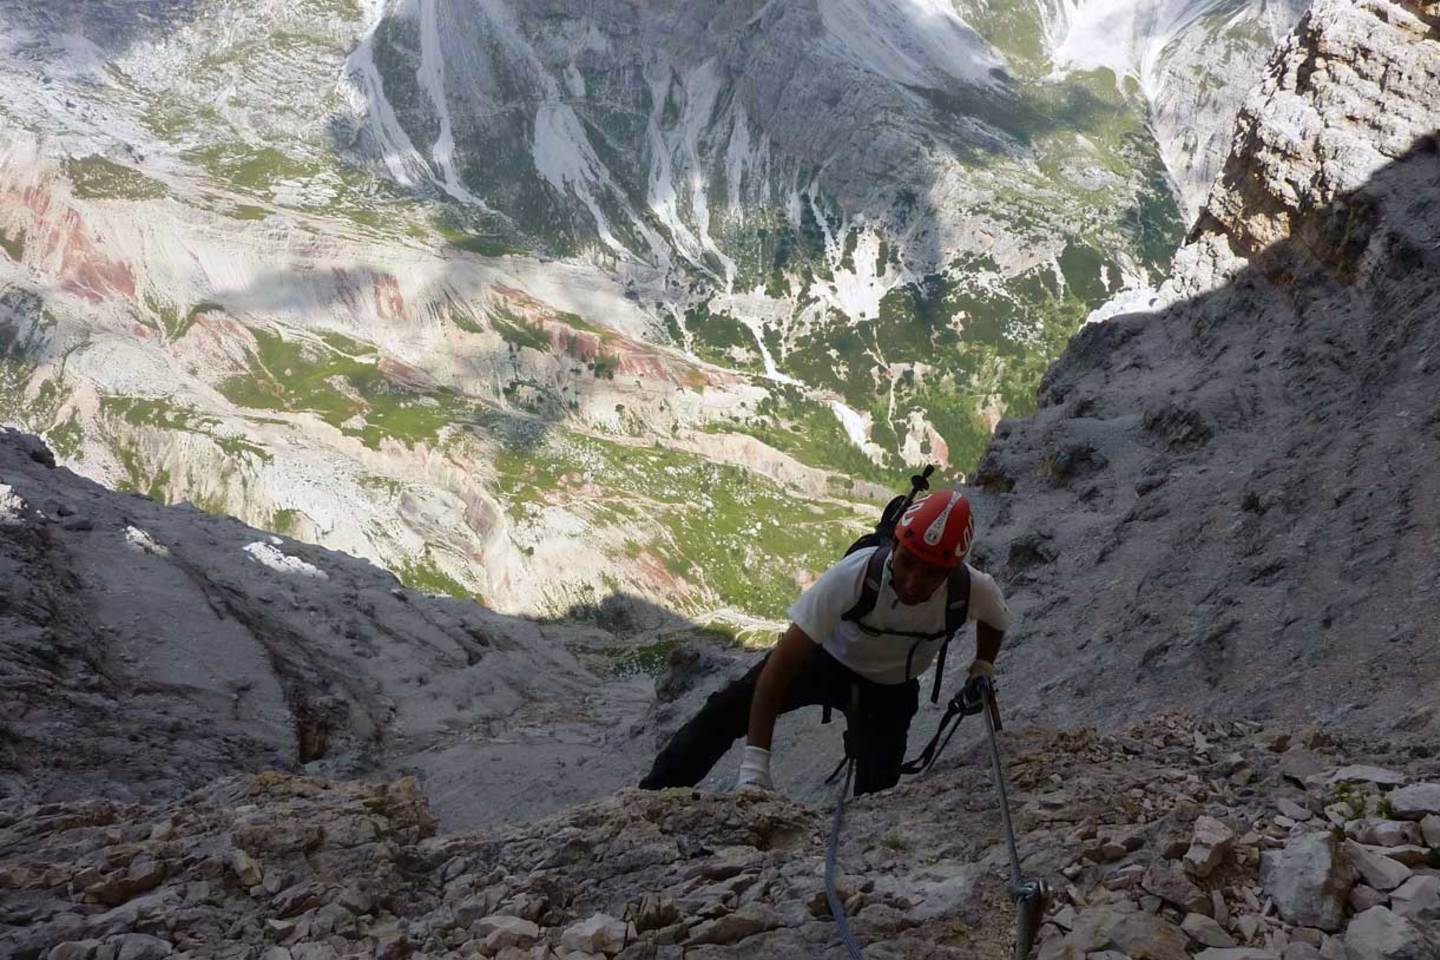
(1293, 810)
(1219, 909)
(1379, 871)
(1300, 951)
(1380, 934)
(1112, 850)
(1308, 935)
(73, 950)
(1430, 830)
(1416, 802)
(1363, 773)
(1385, 833)
(1208, 846)
(1250, 925)
(601, 933)
(1364, 897)
(749, 920)
(1166, 880)
(245, 867)
(1206, 931)
(1235, 953)
(140, 946)
(500, 931)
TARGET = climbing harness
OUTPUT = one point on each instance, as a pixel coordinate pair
(1029, 896)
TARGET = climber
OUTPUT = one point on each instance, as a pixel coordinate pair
(866, 629)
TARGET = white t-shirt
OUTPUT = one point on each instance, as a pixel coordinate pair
(877, 653)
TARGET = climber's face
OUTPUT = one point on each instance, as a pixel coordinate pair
(912, 579)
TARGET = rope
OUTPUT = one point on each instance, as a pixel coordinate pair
(837, 909)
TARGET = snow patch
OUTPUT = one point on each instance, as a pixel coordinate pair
(12, 506)
(857, 428)
(266, 555)
(914, 42)
(432, 77)
(142, 542)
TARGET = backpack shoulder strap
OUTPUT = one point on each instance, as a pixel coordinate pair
(870, 586)
(957, 612)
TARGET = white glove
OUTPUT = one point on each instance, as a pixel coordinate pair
(755, 770)
(982, 668)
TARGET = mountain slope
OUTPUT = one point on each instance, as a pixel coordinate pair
(295, 262)
(1224, 504)
(149, 649)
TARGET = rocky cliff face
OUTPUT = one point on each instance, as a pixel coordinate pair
(1223, 504)
(149, 649)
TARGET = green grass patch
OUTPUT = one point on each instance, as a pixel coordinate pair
(250, 169)
(739, 536)
(95, 178)
(14, 246)
(518, 331)
(337, 379)
(426, 576)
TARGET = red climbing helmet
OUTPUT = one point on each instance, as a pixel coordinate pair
(938, 528)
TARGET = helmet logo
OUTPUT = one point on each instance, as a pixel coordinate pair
(936, 530)
(913, 509)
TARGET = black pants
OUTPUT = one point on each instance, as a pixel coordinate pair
(876, 736)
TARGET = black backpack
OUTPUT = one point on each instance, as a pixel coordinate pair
(957, 600)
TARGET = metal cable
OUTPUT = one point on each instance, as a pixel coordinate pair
(837, 909)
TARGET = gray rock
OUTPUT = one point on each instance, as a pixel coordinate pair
(140, 946)
(1379, 871)
(1416, 802)
(1208, 846)
(1364, 773)
(1381, 934)
(1293, 810)
(1417, 899)
(748, 921)
(1363, 897)
(1206, 931)
(1308, 880)
(600, 933)
(1236, 953)
(1166, 879)
(1385, 833)
(73, 950)
(1430, 830)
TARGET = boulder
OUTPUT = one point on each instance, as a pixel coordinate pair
(1379, 871)
(1208, 846)
(1416, 802)
(1418, 899)
(1430, 830)
(1381, 934)
(1308, 880)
